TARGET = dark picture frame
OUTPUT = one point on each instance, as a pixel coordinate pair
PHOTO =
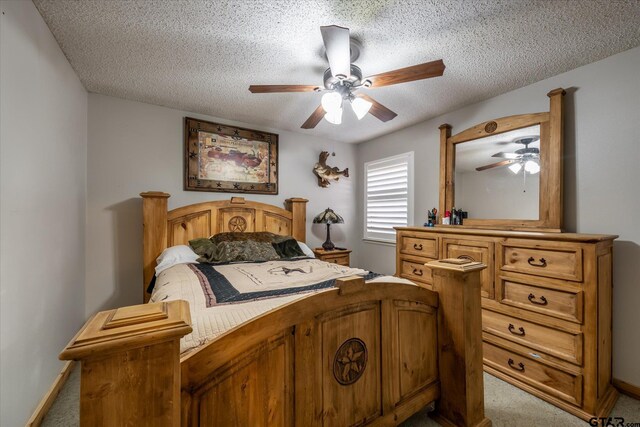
(229, 159)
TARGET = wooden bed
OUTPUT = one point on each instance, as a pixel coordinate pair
(357, 354)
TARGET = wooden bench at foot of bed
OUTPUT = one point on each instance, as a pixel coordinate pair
(360, 354)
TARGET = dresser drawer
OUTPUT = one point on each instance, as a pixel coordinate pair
(541, 259)
(473, 251)
(341, 259)
(418, 245)
(564, 304)
(415, 271)
(555, 382)
(564, 345)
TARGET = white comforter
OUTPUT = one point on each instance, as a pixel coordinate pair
(180, 282)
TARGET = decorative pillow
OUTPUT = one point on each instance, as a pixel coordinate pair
(251, 247)
(180, 254)
(287, 247)
(205, 248)
(249, 250)
(306, 250)
(258, 236)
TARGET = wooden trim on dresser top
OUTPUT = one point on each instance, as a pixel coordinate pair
(474, 231)
(163, 228)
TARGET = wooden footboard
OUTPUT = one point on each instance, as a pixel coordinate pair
(335, 358)
(358, 354)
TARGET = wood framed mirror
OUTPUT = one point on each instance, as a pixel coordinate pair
(508, 170)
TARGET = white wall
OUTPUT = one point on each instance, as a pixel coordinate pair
(136, 147)
(43, 122)
(602, 177)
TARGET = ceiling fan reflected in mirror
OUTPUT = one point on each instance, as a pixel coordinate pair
(527, 157)
(343, 79)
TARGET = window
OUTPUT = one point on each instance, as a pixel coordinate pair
(388, 196)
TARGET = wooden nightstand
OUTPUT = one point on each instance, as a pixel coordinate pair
(337, 256)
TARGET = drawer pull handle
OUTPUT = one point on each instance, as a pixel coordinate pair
(542, 261)
(466, 257)
(542, 300)
(512, 365)
(512, 329)
(417, 247)
(417, 272)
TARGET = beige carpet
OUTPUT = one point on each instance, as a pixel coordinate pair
(505, 405)
(508, 406)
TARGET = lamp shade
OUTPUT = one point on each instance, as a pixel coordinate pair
(328, 216)
(361, 107)
(515, 168)
(532, 167)
(331, 102)
(334, 117)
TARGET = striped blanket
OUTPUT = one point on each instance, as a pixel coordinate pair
(233, 283)
(183, 282)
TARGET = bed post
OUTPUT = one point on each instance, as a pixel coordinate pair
(298, 209)
(460, 344)
(154, 223)
(130, 365)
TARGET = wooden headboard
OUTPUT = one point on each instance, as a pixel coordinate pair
(163, 228)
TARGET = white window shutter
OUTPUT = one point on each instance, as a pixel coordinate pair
(388, 196)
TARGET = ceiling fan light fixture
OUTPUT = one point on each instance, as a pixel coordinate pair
(532, 167)
(334, 117)
(343, 77)
(515, 168)
(332, 102)
(361, 107)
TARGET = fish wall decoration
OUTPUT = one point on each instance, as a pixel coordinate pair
(326, 173)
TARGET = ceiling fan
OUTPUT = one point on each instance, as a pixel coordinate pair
(343, 79)
(527, 157)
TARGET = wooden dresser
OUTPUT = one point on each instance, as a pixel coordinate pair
(546, 307)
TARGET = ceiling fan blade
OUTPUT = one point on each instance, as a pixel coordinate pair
(314, 118)
(408, 74)
(378, 110)
(495, 165)
(507, 155)
(336, 44)
(281, 88)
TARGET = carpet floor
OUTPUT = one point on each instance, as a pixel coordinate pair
(505, 405)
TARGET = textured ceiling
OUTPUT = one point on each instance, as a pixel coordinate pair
(201, 56)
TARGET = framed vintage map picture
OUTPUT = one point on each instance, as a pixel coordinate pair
(229, 159)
